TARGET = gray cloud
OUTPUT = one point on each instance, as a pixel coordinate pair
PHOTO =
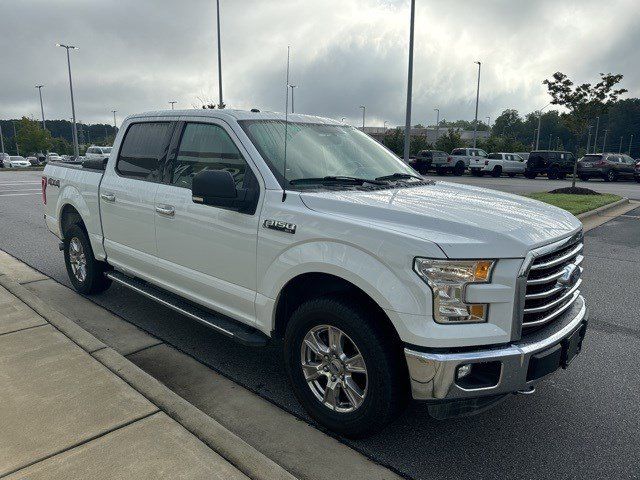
(138, 55)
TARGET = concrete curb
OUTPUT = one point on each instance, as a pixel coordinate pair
(231, 447)
(602, 209)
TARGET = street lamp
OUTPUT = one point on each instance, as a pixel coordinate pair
(475, 122)
(343, 119)
(589, 139)
(604, 141)
(595, 140)
(76, 151)
(488, 121)
(437, 110)
(39, 87)
(220, 104)
(292, 106)
(114, 119)
(630, 142)
(407, 123)
(539, 121)
(364, 109)
(172, 104)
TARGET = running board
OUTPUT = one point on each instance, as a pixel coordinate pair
(231, 328)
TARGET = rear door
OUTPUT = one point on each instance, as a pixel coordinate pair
(207, 253)
(127, 197)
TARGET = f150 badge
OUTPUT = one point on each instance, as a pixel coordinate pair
(280, 225)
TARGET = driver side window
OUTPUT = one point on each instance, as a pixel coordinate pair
(206, 147)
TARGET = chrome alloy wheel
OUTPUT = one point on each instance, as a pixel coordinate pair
(334, 368)
(77, 259)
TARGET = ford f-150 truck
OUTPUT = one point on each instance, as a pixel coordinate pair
(382, 285)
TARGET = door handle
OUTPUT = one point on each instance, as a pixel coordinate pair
(108, 197)
(166, 210)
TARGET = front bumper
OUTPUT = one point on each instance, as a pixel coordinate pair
(433, 374)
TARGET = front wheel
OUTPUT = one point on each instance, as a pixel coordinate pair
(495, 173)
(345, 369)
(85, 272)
(553, 173)
(458, 170)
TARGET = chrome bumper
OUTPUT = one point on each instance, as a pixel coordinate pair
(433, 374)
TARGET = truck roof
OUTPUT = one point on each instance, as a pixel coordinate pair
(229, 114)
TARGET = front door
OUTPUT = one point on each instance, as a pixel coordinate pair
(127, 195)
(207, 254)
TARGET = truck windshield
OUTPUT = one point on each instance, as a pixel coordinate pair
(316, 151)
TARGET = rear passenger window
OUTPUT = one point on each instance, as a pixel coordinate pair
(143, 149)
(207, 146)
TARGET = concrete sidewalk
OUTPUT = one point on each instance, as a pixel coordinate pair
(65, 413)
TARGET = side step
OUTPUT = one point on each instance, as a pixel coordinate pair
(231, 328)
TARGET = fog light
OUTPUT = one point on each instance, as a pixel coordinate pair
(463, 371)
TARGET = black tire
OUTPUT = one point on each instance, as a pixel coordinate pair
(530, 175)
(584, 178)
(611, 176)
(553, 173)
(458, 170)
(387, 389)
(496, 172)
(511, 175)
(93, 280)
(637, 178)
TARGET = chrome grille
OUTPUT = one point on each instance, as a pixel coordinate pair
(552, 282)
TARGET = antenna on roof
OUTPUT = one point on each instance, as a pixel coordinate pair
(286, 121)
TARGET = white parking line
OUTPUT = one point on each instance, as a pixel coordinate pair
(21, 190)
(17, 194)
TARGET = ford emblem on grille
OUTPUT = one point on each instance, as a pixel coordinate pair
(570, 274)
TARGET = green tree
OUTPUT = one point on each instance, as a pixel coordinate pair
(449, 141)
(61, 146)
(31, 137)
(394, 141)
(584, 102)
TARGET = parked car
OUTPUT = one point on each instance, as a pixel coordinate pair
(426, 159)
(496, 164)
(16, 161)
(608, 166)
(636, 173)
(554, 163)
(381, 285)
(53, 157)
(458, 161)
(3, 157)
(524, 155)
(95, 152)
(33, 161)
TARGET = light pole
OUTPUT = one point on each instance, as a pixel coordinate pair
(488, 121)
(220, 104)
(630, 141)
(114, 119)
(364, 109)
(475, 122)
(1, 140)
(589, 138)
(539, 121)
(595, 139)
(39, 87)
(549, 142)
(604, 141)
(172, 104)
(292, 106)
(384, 125)
(343, 119)
(437, 110)
(76, 151)
(407, 122)
(620, 149)
(15, 138)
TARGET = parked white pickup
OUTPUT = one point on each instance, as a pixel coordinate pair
(379, 283)
(498, 163)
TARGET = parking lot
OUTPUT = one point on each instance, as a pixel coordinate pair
(581, 423)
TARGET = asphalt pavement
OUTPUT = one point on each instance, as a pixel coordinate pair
(581, 423)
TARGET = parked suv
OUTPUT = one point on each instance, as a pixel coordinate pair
(459, 160)
(609, 166)
(95, 152)
(427, 159)
(555, 163)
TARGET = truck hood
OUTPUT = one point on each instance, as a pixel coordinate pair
(463, 220)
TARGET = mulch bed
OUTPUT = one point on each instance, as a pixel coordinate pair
(575, 191)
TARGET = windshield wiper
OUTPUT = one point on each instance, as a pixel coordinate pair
(399, 176)
(336, 179)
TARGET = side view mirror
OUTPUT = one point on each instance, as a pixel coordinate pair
(217, 188)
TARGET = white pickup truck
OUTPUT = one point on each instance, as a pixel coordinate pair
(498, 163)
(383, 286)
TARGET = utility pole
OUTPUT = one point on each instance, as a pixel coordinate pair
(589, 139)
(475, 122)
(1, 140)
(39, 87)
(604, 141)
(221, 103)
(292, 106)
(549, 142)
(437, 110)
(15, 137)
(595, 140)
(539, 121)
(630, 141)
(407, 122)
(620, 149)
(488, 122)
(76, 151)
(364, 109)
(172, 104)
(114, 119)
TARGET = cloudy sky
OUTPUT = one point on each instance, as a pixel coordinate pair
(138, 55)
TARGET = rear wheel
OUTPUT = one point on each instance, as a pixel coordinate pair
(552, 173)
(497, 170)
(344, 368)
(458, 170)
(85, 272)
(611, 176)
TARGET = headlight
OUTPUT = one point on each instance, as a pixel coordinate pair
(448, 279)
